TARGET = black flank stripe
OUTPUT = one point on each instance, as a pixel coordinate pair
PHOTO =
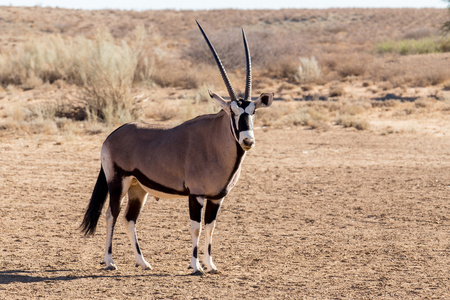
(150, 183)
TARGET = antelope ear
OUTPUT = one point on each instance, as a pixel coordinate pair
(219, 100)
(265, 100)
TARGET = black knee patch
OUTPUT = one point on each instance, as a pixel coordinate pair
(211, 212)
(134, 209)
(195, 209)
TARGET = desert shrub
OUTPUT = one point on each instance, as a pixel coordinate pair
(308, 70)
(421, 70)
(350, 121)
(162, 111)
(275, 52)
(336, 90)
(419, 33)
(285, 67)
(311, 117)
(46, 58)
(343, 65)
(351, 66)
(106, 71)
(415, 46)
(446, 26)
(103, 67)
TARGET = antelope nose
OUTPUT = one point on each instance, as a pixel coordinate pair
(248, 142)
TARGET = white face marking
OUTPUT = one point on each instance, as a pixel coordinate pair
(236, 109)
(250, 109)
(247, 135)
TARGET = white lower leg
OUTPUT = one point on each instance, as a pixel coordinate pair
(195, 232)
(140, 260)
(207, 258)
(108, 260)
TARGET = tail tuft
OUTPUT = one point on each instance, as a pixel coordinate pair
(96, 203)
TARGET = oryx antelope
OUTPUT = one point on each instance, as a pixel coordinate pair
(199, 160)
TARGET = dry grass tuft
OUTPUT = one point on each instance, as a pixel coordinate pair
(348, 121)
(309, 70)
(336, 91)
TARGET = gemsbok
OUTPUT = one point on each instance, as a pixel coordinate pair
(199, 159)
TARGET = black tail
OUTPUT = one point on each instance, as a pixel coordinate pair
(96, 203)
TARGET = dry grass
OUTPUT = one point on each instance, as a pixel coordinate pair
(342, 41)
(350, 121)
(308, 70)
(417, 70)
(294, 53)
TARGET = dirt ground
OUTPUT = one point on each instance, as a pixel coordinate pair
(334, 214)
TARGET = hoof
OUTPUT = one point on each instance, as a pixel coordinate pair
(212, 271)
(198, 273)
(111, 267)
(144, 267)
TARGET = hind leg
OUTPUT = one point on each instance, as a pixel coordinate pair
(136, 200)
(117, 190)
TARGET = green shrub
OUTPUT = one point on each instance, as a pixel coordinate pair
(415, 46)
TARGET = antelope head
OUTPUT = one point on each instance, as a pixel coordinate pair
(240, 110)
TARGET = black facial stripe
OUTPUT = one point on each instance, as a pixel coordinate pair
(243, 103)
(244, 122)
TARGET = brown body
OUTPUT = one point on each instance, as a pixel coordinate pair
(203, 156)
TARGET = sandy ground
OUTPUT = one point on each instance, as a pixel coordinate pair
(334, 214)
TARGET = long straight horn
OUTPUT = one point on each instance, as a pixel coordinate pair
(248, 80)
(225, 78)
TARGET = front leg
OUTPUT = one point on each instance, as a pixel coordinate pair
(195, 213)
(212, 209)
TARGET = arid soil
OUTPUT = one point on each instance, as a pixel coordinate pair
(334, 214)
